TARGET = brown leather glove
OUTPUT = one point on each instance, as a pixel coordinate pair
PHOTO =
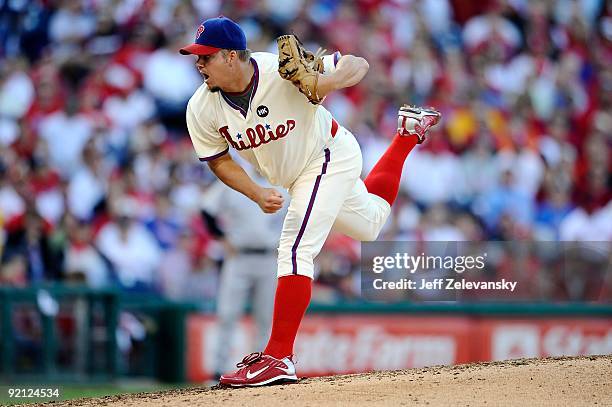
(300, 66)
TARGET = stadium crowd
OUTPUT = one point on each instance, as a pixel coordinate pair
(99, 182)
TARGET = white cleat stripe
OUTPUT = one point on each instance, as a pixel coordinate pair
(250, 375)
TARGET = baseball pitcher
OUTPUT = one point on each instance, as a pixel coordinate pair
(268, 108)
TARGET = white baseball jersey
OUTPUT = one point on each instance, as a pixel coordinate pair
(278, 135)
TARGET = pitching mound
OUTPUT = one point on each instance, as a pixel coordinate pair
(529, 382)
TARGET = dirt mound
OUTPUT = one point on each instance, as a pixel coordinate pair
(553, 381)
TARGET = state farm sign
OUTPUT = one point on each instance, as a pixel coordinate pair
(372, 348)
(329, 345)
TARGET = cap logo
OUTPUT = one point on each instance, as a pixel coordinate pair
(200, 31)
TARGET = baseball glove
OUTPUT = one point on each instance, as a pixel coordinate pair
(300, 66)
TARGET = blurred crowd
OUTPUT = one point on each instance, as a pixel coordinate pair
(99, 182)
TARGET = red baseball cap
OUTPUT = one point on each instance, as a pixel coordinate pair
(215, 34)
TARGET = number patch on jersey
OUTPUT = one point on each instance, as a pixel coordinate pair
(262, 111)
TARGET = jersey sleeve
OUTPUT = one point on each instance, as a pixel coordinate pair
(330, 62)
(207, 141)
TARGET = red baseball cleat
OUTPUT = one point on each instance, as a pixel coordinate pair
(415, 121)
(258, 369)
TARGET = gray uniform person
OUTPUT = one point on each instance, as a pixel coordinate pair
(251, 242)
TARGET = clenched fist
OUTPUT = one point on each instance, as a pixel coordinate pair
(269, 200)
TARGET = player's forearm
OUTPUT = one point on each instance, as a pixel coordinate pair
(231, 174)
(349, 71)
(234, 176)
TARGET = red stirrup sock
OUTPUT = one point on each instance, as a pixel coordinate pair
(292, 299)
(384, 179)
